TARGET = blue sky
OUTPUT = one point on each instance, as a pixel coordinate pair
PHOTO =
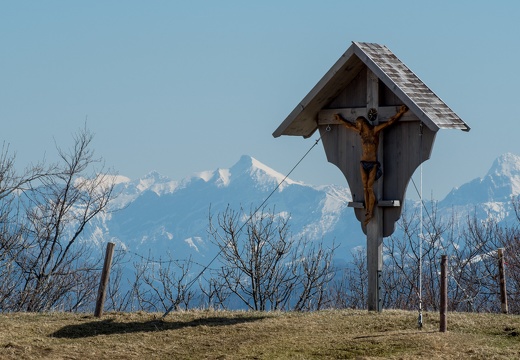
(182, 87)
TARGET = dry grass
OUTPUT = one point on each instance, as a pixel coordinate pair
(248, 335)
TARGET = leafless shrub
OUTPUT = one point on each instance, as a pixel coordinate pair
(264, 266)
(159, 283)
(43, 260)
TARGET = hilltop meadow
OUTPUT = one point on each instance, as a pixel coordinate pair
(207, 334)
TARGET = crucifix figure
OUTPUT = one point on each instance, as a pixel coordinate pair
(370, 166)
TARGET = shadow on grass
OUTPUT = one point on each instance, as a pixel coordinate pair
(111, 327)
(394, 334)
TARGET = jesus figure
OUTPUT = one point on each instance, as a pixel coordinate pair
(370, 166)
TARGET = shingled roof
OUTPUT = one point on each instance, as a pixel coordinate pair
(422, 101)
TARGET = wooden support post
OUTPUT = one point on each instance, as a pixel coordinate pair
(375, 226)
(444, 293)
(375, 260)
(105, 275)
(502, 277)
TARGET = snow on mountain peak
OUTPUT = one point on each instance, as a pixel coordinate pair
(246, 167)
(224, 177)
(506, 165)
(220, 177)
(205, 175)
(500, 183)
(157, 183)
(119, 179)
(260, 172)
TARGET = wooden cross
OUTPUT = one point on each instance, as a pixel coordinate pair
(369, 76)
(402, 148)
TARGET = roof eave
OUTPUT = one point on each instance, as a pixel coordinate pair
(302, 121)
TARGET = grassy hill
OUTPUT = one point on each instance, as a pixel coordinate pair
(334, 334)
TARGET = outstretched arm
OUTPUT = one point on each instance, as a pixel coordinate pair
(393, 119)
(347, 123)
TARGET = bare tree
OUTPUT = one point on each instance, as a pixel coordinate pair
(471, 246)
(12, 233)
(472, 264)
(315, 272)
(407, 268)
(11, 181)
(214, 292)
(165, 283)
(254, 268)
(510, 240)
(49, 213)
(348, 288)
(266, 268)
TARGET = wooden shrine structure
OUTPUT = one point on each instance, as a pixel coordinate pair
(370, 81)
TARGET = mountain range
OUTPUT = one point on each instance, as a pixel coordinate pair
(155, 215)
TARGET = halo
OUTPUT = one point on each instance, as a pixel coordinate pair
(372, 114)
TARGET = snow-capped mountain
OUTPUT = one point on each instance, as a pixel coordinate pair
(490, 195)
(159, 215)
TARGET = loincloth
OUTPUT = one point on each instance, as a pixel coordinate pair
(369, 165)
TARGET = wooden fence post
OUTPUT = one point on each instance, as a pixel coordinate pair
(444, 293)
(105, 275)
(502, 277)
